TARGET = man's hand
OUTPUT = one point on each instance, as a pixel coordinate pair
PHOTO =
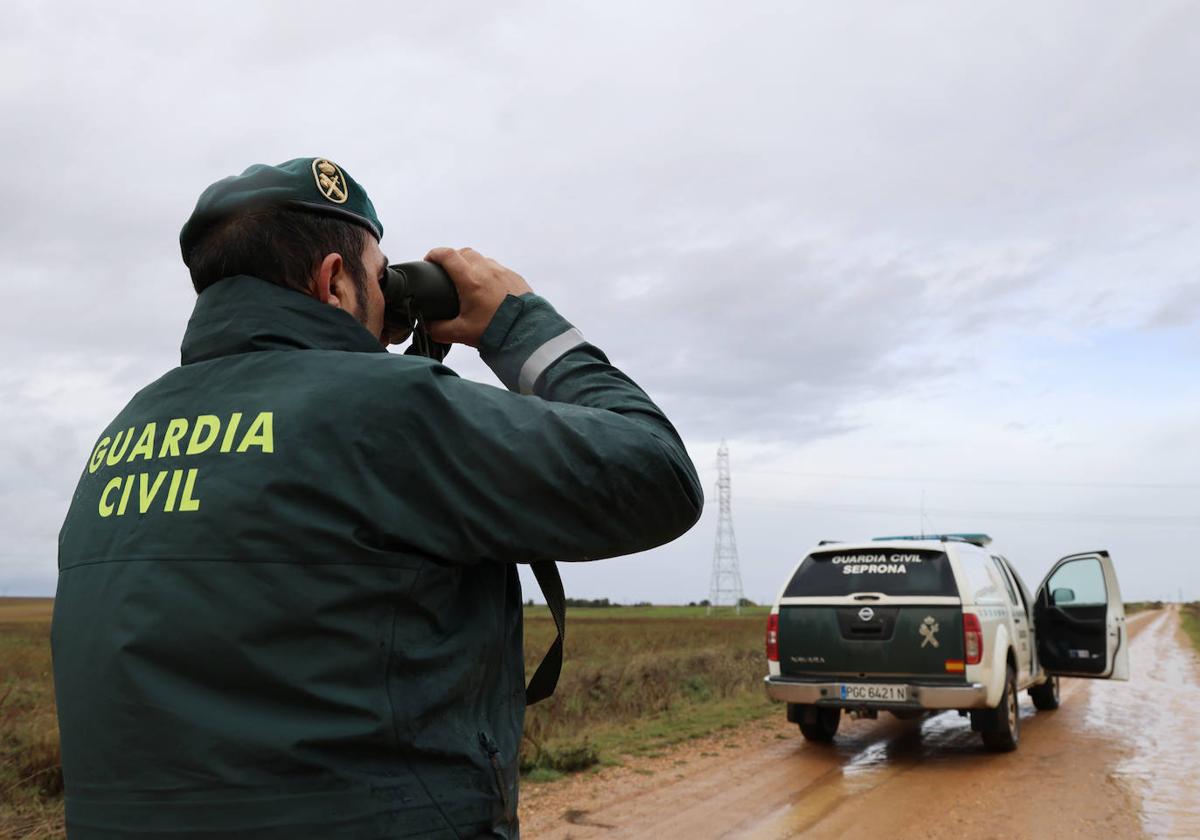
(482, 285)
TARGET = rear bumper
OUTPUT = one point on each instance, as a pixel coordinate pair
(966, 696)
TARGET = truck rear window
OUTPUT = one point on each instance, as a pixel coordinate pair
(887, 570)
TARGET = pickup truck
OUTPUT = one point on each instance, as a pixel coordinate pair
(913, 624)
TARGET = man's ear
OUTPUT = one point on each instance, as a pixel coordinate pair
(327, 280)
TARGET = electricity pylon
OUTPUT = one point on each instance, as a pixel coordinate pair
(726, 577)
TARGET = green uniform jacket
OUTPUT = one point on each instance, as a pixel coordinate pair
(287, 600)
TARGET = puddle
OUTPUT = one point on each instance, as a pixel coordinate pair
(923, 742)
(868, 767)
(1157, 716)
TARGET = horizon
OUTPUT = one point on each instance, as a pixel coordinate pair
(929, 267)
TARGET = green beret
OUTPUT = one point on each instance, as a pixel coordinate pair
(314, 184)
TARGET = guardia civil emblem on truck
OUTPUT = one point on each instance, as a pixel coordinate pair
(928, 630)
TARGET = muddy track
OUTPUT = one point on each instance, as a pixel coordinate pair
(1114, 761)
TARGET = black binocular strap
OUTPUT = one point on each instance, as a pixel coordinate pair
(545, 678)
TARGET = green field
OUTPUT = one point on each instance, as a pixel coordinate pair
(1190, 619)
(1135, 607)
(635, 680)
(574, 613)
(30, 777)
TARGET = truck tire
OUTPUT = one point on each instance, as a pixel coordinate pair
(1045, 696)
(1002, 725)
(820, 724)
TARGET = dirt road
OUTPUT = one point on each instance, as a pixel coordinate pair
(1114, 761)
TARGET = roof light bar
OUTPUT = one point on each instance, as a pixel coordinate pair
(980, 540)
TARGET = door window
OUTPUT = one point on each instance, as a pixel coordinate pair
(1012, 593)
(1022, 589)
(1072, 620)
(983, 578)
(1078, 583)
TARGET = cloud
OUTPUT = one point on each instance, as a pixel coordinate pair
(792, 224)
(52, 416)
(1180, 309)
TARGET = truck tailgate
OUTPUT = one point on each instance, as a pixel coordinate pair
(877, 641)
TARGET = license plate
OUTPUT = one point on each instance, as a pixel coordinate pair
(885, 693)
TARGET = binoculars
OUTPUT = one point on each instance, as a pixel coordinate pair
(415, 293)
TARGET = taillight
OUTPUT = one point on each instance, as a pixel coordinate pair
(972, 638)
(773, 637)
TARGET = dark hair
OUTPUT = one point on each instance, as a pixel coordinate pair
(280, 245)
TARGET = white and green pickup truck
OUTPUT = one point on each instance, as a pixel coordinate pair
(914, 624)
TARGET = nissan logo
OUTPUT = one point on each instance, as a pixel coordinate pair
(866, 614)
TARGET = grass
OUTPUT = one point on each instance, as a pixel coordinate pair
(1135, 607)
(1190, 618)
(30, 774)
(638, 679)
(635, 681)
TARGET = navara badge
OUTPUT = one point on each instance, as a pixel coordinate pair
(929, 629)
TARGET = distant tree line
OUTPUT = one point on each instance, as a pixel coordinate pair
(742, 602)
(590, 602)
(605, 602)
(596, 602)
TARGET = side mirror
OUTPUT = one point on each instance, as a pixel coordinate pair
(1062, 596)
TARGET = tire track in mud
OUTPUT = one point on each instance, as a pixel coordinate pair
(1158, 714)
(929, 778)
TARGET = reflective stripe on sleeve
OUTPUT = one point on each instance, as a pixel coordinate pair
(546, 355)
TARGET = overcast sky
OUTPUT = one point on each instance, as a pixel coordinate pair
(901, 256)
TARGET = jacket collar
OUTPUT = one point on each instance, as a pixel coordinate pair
(244, 314)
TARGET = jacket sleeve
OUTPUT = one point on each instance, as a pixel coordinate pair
(578, 464)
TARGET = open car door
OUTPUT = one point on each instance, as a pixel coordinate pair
(1079, 619)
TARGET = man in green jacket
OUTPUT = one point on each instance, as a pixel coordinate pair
(288, 604)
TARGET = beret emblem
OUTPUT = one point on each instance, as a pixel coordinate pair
(330, 181)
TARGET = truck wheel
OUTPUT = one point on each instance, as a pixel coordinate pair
(820, 724)
(1002, 729)
(1045, 696)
